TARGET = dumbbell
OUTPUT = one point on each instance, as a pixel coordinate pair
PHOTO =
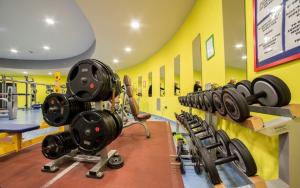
(218, 102)
(56, 145)
(268, 90)
(208, 101)
(239, 155)
(201, 101)
(59, 109)
(244, 87)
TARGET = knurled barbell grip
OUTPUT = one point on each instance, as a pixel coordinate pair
(226, 160)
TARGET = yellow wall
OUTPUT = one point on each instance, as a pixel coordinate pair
(206, 19)
(234, 73)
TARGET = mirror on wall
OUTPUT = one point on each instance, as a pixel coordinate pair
(235, 41)
(140, 83)
(162, 78)
(197, 64)
(177, 75)
(150, 84)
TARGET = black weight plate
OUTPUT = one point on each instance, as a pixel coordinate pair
(201, 101)
(245, 161)
(208, 101)
(244, 87)
(115, 162)
(235, 105)
(210, 167)
(53, 147)
(228, 86)
(277, 92)
(118, 121)
(92, 80)
(222, 137)
(56, 109)
(91, 131)
(194, 99)
(218, 103)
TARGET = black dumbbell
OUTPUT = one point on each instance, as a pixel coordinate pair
(244, 87)
(208, 101)
(239, 155)
(218, 102)
(268, 90)
(201, 101)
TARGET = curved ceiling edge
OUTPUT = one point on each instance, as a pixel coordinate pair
(47, 64)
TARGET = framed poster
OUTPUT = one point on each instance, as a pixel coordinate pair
(210, 48)
(276, 32)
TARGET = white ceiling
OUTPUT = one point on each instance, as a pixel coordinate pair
(78, 24)
(110, 20)
(23, 27)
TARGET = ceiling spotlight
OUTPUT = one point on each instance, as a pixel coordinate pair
(115, 60)
(128, 49)
(46, 47)
(244, 57)
(135, 24)
(50, 73)
(49, 21)
(239, 45)
(25, 72)
(13, 50)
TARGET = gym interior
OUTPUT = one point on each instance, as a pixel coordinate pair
(149, 93)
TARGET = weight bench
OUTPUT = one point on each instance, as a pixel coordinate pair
(16, 131)
(139, 117)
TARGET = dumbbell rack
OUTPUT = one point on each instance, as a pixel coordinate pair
(285, 124)
(252, 182)
(101, 158)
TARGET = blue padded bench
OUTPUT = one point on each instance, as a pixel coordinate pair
(16, 131)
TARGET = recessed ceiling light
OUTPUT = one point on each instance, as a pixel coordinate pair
(239, 45)
(135, 24)
(25, 72)
(128, 49)
(46, 47)
(244, 57)
(49, 21)
(115, 60)
(13, 50)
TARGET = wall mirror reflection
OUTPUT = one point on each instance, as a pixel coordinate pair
(197, 64)
(235, 41)
(177, 75)
(150, 84)
(162, 78)
(140, 86)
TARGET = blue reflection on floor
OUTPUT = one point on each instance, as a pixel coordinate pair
(28, 117)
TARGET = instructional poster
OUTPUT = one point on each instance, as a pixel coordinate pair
(277, 32)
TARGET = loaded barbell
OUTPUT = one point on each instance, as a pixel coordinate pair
(91, 80)
(59, 109)
(93, 130)
(56, 145)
